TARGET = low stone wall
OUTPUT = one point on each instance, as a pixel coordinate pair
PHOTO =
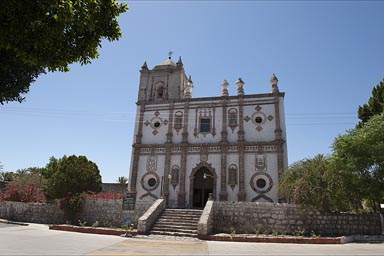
(31, 212)
(113, 188)
(241, 217)
(249, 217)
(108, 212)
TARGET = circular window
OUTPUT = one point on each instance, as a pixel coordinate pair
(258, 120)
(261, 183)
(152, 182)
(156, 124)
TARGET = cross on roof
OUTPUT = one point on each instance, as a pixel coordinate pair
(170, 54)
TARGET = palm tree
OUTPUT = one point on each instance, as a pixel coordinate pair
(122, 180)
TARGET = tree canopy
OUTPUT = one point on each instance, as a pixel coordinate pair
(71, 175)
(374, 106)
(315, 182)
(36, 36)
(122, 180)
(361, 152)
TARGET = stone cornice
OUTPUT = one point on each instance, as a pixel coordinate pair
(218, 98)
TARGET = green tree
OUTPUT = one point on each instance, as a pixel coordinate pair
(316, 183)
(374, 106)
(122, 180)
(72, 175)
(361, 152)
(5, 176)
(36, 36)
(67, 178)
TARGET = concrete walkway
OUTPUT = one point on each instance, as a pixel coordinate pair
(37, 239)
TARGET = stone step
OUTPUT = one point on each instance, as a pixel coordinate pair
(178, 218)
(183, 211)
(182, 214)
(166, 233)
(177, 222)
(175, 225)
(187, 222)
(179, 230)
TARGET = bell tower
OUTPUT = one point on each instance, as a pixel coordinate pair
(166, 81)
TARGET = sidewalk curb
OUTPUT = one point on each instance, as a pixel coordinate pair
(13, 222)
(91, 230)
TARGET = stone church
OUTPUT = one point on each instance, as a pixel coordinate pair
(233, 146)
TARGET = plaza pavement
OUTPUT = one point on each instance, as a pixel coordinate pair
(37, 239)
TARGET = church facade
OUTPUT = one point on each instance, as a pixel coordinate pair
(233, 146)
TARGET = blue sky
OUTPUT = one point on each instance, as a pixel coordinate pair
(327, 56)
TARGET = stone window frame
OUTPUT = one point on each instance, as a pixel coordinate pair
(205, 112)
(205, 127)
(233, 118)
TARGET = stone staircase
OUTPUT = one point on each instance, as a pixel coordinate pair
(177, 222)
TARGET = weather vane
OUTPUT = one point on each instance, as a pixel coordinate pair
(170, 54)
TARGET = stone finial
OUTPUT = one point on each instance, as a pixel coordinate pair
(144, 67)
(190, 79)
(274, 81)
(240, 87)
(224, 88)
(179, 63)
(188, 89)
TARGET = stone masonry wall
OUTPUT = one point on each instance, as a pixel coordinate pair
(106, 211)
(251, 217)
(31, 212)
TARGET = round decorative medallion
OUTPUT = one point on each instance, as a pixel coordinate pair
(261, 182)
(258, 118)
(150, 181)
(156, 122)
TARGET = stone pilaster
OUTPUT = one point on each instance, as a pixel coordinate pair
(183, 162)
(168, 147)
(241, 134)
(135, 167)
(223, 184)
(278, 135)
(136, 149)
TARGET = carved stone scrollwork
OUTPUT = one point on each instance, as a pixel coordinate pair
(175, 176)
(203, 153)
(178, 123)
(260, 163)
(232, 176)
(151, 163)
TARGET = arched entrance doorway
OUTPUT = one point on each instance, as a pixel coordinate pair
(203, 184)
